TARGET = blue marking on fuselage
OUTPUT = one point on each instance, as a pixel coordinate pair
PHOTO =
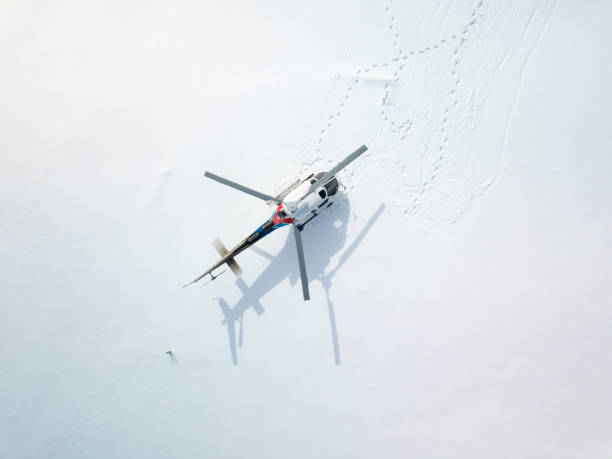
(263, 232)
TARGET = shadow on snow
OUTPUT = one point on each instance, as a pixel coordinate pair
(323, 238)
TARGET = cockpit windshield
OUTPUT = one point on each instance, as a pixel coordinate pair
(332, 186)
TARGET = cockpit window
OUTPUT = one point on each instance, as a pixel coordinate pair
(332, 186)
(282, 214)
(313, 181)
(322, 194)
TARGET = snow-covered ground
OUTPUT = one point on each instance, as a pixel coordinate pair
(460, 290)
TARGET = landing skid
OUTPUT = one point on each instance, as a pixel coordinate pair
(301, 226)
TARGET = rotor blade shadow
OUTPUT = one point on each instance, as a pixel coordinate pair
(324, 239)
(326, 279)
(230, 322)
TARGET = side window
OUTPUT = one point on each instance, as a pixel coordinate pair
(322, 194)
(313, 181)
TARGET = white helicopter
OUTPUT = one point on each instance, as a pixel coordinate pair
(297, 205)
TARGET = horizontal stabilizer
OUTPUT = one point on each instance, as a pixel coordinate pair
(220, 247)
(234, 266)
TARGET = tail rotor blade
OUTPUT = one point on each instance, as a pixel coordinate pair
(302, 264)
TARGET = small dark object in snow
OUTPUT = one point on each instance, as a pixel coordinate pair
(172, 356)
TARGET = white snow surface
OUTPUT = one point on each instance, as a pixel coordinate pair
(460, 284)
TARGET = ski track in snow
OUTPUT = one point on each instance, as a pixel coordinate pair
(429, 146)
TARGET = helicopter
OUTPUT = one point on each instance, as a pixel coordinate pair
(296, 205)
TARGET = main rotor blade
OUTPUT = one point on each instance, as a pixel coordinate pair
(239, 187)
(341, 165)
(300, 253)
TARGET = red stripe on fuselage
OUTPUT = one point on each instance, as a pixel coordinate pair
(277, 219)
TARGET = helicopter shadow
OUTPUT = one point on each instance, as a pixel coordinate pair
(323, 238)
